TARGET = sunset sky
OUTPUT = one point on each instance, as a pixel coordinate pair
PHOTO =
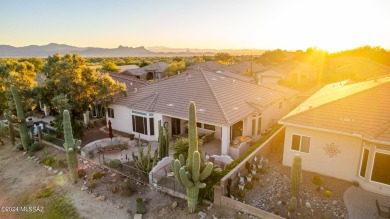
(215, 24)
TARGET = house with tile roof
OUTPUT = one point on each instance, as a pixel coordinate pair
(225, 106)
(343, 131)
(150, 72)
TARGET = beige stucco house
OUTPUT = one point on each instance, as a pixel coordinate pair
(343, 131)
(227, 107)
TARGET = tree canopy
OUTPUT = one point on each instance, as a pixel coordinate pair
(224, 58)
(83, 86)
(110, 66)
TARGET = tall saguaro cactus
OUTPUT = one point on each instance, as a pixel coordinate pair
(188, 172)
(163, 140)
(21, 119)
(71, 146)
(296, 172)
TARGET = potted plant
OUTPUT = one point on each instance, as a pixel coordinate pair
(249, 177)
(131, 136)
(253, 171)
(241, 185)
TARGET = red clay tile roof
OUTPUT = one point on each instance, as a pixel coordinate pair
(362, 108)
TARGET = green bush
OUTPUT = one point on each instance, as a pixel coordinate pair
(48, 161)
(128, 188)
(249, 185)
(140, 206)
(213, 179)
(98, 175)
(317, 180)
(91, 184)
(328, 193)
(45, 192)
(34, 147)
(115, 163)
(241, 193)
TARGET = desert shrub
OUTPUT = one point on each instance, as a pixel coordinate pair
(91, 184)
(46, 191)
(317, 180)
(241, 193)
(81, 173)
(140, 206)
(208, 191)
(114, 189)
(249, 185)
(19, 146)
(181, 147)
(36, 146)
(128, 189)
(115, 163)
(49, 160)
(98, 175)
(328, 193)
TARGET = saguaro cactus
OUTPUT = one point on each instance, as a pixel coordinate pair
(188, 172)
(296, 172)
(163, 140)
(8, 116)
(21, 119)
(71, 146)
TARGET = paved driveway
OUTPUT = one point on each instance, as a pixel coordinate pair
(361, 203)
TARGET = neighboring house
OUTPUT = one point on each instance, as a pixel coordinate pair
(219, 68)
(227, 107)
(343, 131)
(150, 72)
(294, 71)
(125, 69)
(246, 68)
(208, 66)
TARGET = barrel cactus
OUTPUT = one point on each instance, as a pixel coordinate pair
(21, 119)
(188, 172)
(71, 146)
(163, 140)
(296, 172)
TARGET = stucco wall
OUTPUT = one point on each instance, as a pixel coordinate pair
(343, 166)
(122, 120)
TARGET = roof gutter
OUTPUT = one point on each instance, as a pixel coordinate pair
(336, 132)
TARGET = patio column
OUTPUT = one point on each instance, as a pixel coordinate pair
(225, 140)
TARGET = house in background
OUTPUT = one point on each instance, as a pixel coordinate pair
(246, 68)
(343, 131)
(125, 69)
(150, 72)
(226, 107)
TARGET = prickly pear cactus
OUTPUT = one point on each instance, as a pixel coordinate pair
(71, 146)
(21, 119)
(188, 172)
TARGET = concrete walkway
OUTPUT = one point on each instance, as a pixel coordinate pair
(361, 203)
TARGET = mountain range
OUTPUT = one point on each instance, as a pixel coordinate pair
(7, 51)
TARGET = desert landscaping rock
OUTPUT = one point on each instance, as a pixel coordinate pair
(202, 215)
(83, 188)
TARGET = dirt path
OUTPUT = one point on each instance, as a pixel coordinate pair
(22, 178)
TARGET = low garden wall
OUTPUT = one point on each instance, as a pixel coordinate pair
(263, 150)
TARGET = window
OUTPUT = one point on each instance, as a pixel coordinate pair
(199, 125)
(380, 169)
(300, 143)
(140, 124)
(363, 166)
(209, 127)
(110, 112)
